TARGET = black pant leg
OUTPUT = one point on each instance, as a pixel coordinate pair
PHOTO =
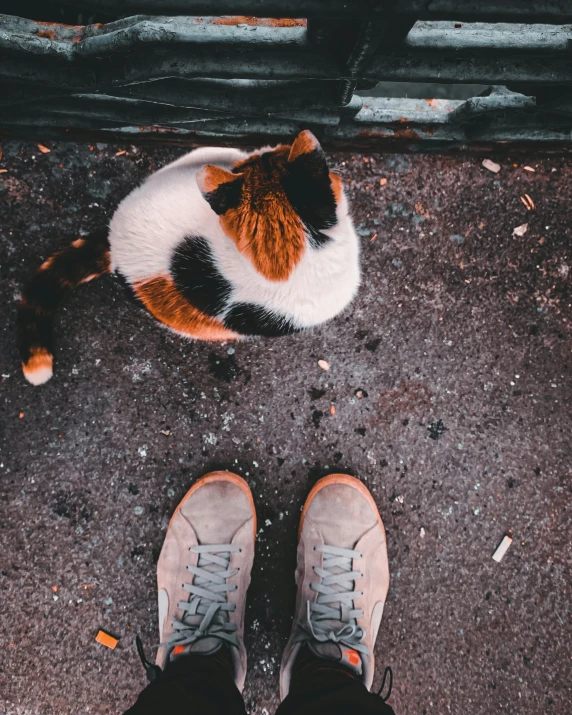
(325, 688)
(191, 685)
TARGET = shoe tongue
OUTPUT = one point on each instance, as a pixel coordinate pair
(204, 646)
(338, 653)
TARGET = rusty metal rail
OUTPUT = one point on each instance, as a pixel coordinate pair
(197, 79)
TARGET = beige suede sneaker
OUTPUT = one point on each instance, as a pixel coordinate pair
(204, 571)
(342, 578)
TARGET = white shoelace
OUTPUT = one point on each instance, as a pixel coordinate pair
(208, 598)
(332, 616)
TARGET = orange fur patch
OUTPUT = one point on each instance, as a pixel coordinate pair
(211, 177)
(164, 301)
(337, 186)
(78, 242)
(46, 264)
(304, 143)
(89, 278)
(40, 358)
(265, 227)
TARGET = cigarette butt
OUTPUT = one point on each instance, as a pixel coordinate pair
(491, 166)
(502, 549)
(107, 640)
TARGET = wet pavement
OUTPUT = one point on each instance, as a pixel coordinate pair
(450, 385)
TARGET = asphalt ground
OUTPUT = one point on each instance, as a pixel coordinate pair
(451, 395)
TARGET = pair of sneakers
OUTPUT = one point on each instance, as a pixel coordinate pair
(342, 575)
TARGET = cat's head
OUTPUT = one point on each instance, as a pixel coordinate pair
(272, 200)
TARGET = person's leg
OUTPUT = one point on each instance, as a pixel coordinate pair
(342, 579)
(203, 574)
(193, 685)
(322, 687)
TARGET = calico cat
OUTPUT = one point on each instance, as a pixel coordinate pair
(218, 245)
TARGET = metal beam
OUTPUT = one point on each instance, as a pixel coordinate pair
(199, 79)
(134, 50)
(377, 124)
(551, 11)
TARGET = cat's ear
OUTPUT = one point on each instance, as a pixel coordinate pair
(307, 156)
(305, 143)
(311, 189)
(221, 188)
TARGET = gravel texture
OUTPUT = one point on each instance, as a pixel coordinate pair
(451, 381)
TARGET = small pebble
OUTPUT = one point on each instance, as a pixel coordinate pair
(138, 510)
(520, 230)
(324, 364)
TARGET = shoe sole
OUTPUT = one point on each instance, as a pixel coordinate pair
(220, 477)
(339, 479)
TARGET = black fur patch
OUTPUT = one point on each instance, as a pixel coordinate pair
(317, 239)
(197, 277)
(68, 268)
(34, 331)
(251, 319)
(226, 196)
(307, 185)
(74, 264)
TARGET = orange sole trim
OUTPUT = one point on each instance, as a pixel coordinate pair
(339, 479)
(220, 477)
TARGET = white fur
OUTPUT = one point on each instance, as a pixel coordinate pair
(39, 376)
(168, 207)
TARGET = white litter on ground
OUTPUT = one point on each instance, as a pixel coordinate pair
(491, 166)
(502, 548)
(520, 230)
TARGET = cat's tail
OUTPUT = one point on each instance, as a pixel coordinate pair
(80, 262)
